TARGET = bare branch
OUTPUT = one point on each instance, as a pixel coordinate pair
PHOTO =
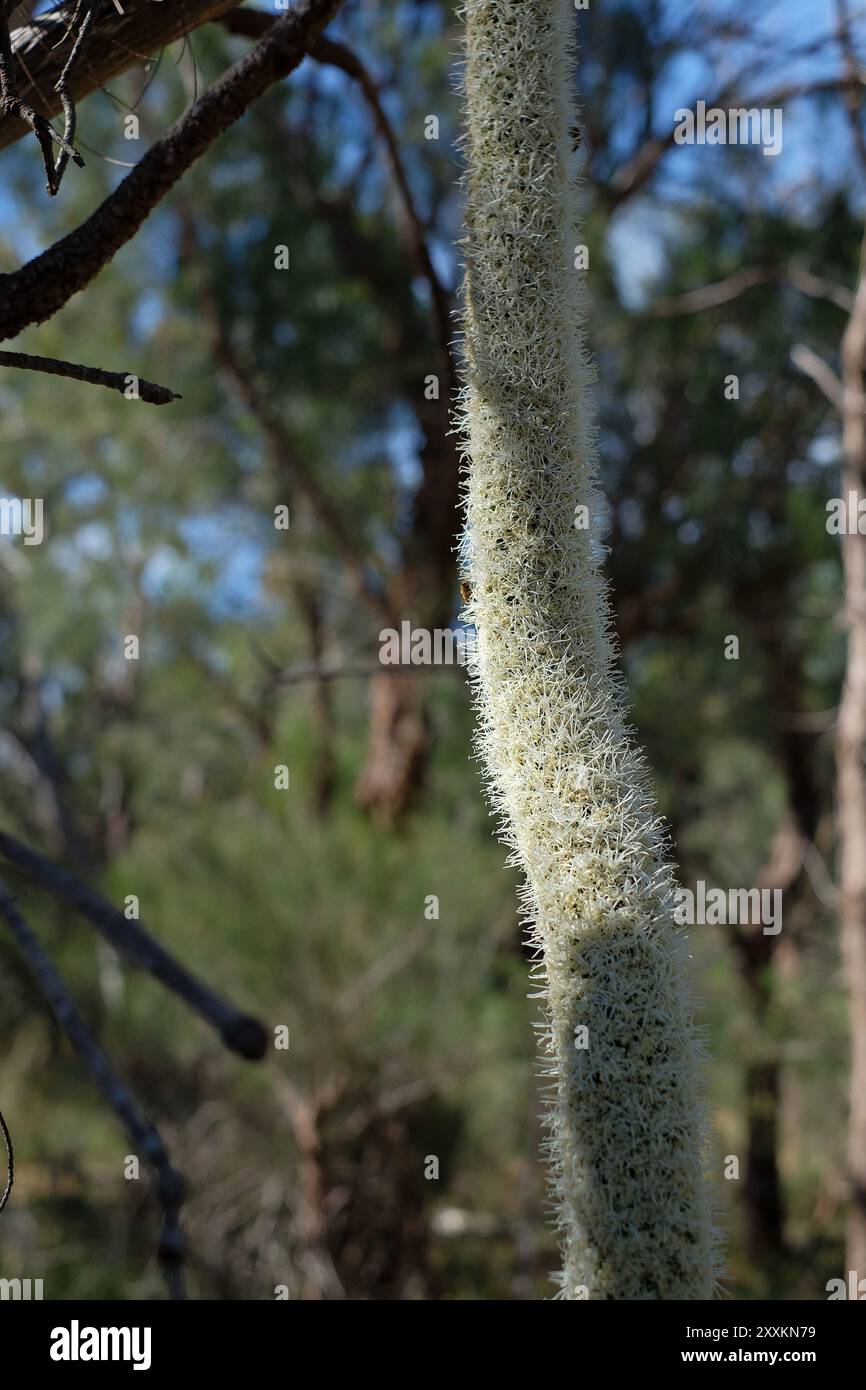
(41, 49)
(813, 366)
(819, 288)
(853, 94)
(637, 170)
(12, 105)
(338, 55)
(241, 1034)
(147, 391)
(63, 86)
(711, 296)
(802, 357)
(42, 286)
(170, 1184)
(733, 286)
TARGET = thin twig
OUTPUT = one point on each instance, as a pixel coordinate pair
(170, 1184)
(148, 391)
(11, 104)
(62, 87)
(854, 92)
(241, 1034)
(733, 286)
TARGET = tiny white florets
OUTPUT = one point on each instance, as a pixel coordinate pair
(571, 787)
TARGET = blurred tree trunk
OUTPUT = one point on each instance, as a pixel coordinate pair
(318, 1279)
(397, 745)
(763, 1205)
(324, 772)
(763, 1190)
(850, 770)
(399, 739)
(309, 605)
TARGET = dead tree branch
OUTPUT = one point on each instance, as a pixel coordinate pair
(41, 50)
(241, 1034)
(64, 84)
(169, 1183)
(42, 286)
(123, 382)
(13, 106)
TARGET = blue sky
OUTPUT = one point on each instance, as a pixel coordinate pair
(816, 141)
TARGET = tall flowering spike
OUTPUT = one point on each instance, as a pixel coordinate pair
(625, 1116)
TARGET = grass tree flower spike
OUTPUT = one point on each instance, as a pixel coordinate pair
(626, 1128)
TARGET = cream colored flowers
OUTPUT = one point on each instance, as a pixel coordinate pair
(625, 1121)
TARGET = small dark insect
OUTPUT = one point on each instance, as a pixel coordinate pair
(576, 137)
(465, 590)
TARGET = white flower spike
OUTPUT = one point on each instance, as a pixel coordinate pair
(625, 1113)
